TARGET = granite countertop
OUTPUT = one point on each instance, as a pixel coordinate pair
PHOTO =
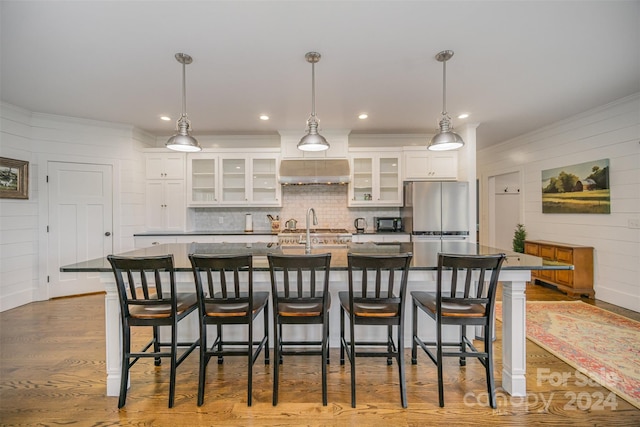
(425, 254)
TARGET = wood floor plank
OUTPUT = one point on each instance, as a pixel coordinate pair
(52, 372)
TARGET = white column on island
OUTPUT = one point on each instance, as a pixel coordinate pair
(113, 335)
(514, 342)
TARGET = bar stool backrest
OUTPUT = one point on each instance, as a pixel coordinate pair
(224, 280)
(139, 281)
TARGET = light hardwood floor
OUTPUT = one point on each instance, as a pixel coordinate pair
(52, 372)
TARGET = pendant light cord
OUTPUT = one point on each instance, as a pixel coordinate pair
(313, 90)
(444, 88)
(184, 89)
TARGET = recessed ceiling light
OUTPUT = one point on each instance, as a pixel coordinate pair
(463, 116)
(264, 117)
(363, 116)
(165, 118)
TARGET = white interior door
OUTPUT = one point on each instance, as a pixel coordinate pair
(80, 223)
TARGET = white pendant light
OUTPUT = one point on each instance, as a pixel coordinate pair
(182, 140)
(446, 138)
(313, 141)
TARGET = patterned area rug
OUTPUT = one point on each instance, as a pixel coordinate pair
(598, 343)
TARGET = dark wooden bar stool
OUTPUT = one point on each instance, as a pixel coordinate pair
(300, 293)
(461, 305)
(221, 303)
(145, 301)
(376, 296)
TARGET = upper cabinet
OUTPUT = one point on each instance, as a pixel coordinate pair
(422, 164)
(165, 209)
(165, 165)
(202, 179)
(233, 179)
(263, 180)
(375, 179)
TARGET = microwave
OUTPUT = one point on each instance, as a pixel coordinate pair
(391, 224)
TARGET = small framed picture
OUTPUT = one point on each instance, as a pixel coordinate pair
(14, 179)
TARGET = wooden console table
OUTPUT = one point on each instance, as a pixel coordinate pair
(576, 282)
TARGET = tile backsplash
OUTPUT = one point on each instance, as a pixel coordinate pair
(329, 202)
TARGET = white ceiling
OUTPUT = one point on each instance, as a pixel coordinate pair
(518, 65)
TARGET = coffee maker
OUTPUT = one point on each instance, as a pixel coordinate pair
(360, 224)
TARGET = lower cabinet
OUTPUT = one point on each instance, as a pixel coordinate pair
(247, 238)
(398, 237)
(146, 241)
(578, 281)
(151, 240)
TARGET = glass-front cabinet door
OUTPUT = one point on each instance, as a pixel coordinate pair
(202, 179)
(233, 180)
(375, 180)
(250, 181)
(389, 190)
(362, 180)
(265, 188)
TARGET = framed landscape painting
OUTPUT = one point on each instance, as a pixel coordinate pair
(581, 188)
(14, 179)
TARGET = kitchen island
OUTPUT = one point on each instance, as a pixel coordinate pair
(516, 271)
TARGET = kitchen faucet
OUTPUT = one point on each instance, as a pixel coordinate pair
(307, 244)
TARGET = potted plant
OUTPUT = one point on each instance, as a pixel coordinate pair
(519, 235)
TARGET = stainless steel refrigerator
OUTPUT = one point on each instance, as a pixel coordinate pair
(436, 210)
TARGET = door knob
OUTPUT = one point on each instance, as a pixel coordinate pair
(107, 234)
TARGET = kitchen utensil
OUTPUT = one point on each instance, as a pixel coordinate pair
(291, 224)
(275, 225)
(360, 224)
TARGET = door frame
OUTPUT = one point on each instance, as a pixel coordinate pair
(488, 203)
(41, 292)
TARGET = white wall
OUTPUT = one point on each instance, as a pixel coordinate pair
(611, 131)
(39, 138)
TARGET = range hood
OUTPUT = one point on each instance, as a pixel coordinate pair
(314, 171)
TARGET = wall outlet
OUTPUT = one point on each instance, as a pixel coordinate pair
(633, 223)
(220, 220)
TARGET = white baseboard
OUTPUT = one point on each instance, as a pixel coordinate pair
(7, 302)
(612, 296)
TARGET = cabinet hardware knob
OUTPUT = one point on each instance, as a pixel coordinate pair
(107, 234)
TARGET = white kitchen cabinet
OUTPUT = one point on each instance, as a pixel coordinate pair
(264, 185)
(165, 205)
(202, 179)
(250, 180)
(233, 179)
(247, 238)
(387, 238)
(375, 179)
(146, 241)
(164, 165)
(430, 165)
